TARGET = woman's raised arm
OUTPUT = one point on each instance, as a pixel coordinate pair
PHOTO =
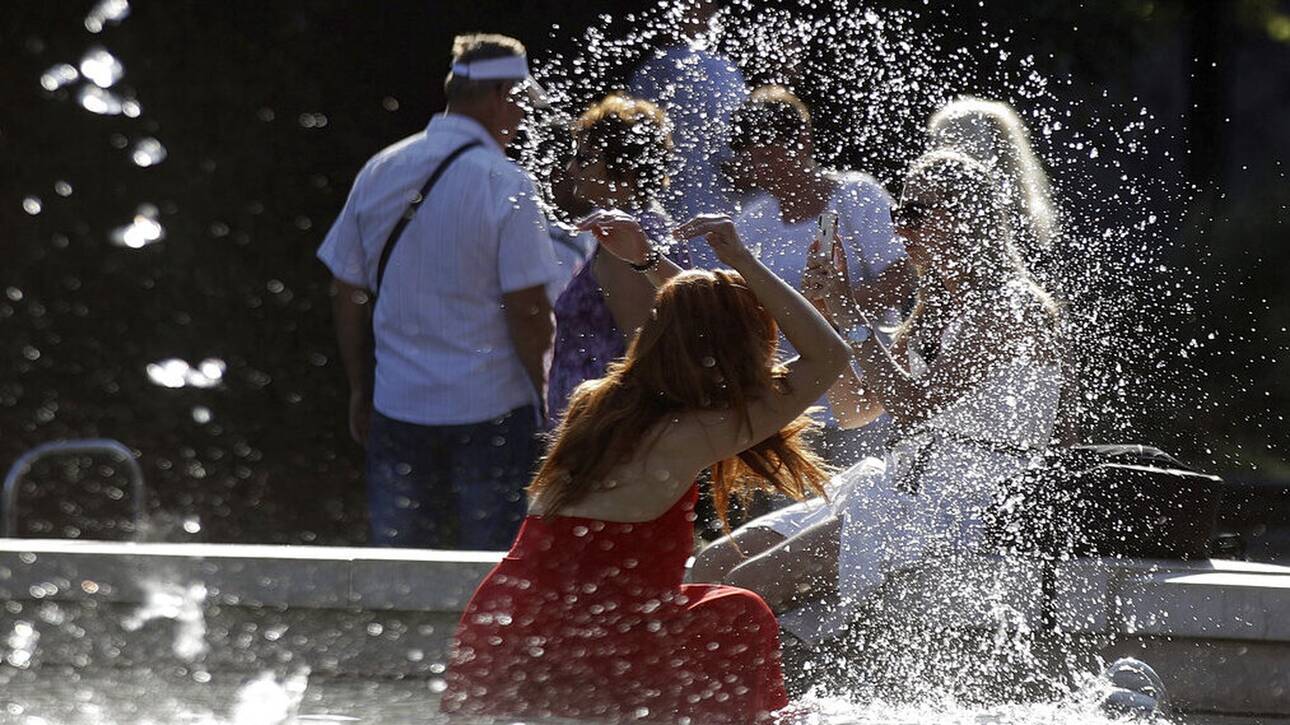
(620, 234)
(822, 355)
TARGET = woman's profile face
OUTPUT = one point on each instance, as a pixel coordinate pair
(926, 222)
(758, 165)
(591, 179)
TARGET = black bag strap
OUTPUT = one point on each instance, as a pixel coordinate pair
(412, 210)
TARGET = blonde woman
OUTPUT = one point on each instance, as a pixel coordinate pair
(991, 132)
(972, 380)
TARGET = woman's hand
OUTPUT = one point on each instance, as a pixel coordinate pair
(618, 233)
(815, 274)
(815, 280)
(826, 281)
(719, 232)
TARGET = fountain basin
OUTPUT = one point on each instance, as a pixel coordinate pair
(1215, 630)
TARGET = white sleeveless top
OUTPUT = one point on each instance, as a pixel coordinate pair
(988, 434)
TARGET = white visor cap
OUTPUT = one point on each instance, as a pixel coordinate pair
(507, 68)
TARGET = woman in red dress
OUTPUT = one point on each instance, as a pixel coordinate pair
(586, 616)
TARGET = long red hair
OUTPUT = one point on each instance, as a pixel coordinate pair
(708, 345)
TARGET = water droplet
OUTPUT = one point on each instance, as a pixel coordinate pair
(97, 100)
(176, 373)
(105, 12)
(62, 188)
(58, 76)
(144, 230)
(148, 152)
(32, 205)
(101, 67)
(201, 414)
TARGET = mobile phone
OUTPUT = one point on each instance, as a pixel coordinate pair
(826, 228)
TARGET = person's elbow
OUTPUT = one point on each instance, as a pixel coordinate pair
(850, 417)
(531, 320)
(537, 328)
(837, 356)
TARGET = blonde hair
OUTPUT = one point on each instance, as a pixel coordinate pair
(970, 191)
(772, 115)
(635, 138)
(992, 133)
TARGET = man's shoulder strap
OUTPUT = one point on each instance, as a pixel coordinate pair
(420, 197)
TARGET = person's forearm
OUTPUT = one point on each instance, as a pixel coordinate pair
(532, 354)
(628, 294)
(663, 271)
(352, 310)
(845, 313)
(852, 402)
(531, 325)
(533, 336)
(899, 392)
(801, 323)
(890, 291)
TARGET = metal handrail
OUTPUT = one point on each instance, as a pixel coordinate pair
(9, 526)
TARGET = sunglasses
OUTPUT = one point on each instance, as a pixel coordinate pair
(910, 214)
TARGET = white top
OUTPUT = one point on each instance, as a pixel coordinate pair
(699, 91)
(444, 355)
(864, 225)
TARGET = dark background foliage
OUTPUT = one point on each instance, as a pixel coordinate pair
(238, 90)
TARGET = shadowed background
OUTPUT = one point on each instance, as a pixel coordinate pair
(267, 110)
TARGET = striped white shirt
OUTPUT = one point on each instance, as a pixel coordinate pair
(444, 354)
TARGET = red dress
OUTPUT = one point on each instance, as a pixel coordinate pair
(589, 619)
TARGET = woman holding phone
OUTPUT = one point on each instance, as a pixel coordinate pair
(774, 156)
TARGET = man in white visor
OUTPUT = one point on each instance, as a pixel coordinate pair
(511, 68)
(441, 259)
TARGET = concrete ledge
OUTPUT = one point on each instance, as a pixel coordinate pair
(1217, 628)
(239, 575)
(1206, 598)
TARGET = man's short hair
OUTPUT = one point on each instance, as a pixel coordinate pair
(772, 116)
(478, 46)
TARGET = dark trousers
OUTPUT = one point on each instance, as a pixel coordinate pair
(451, 486)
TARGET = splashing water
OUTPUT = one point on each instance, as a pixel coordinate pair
(101, 67)
(181, 604)
(22, 644)
(874, 77)
(267, 701)
(106, 12)
(144, 230)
